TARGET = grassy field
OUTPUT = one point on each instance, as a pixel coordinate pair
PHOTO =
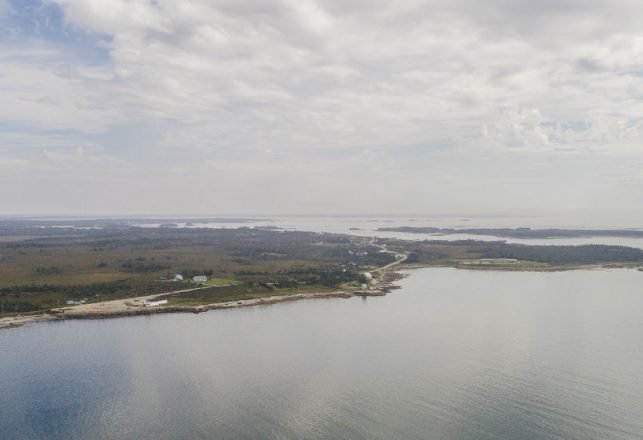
(238, 292)
(213, 282)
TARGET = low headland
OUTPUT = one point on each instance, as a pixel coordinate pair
(50, 272)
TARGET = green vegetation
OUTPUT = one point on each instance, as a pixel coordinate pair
(457, 253)
(34, 297)
(238, 292)
(213, 282)
(45, 267)
(46, 270)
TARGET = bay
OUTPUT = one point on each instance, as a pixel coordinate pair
(453, 354)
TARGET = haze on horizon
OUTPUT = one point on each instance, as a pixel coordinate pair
(338, 106)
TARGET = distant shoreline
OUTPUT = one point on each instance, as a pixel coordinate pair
(524, 233)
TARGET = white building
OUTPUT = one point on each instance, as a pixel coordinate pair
(199, 279)
(368, 277)
(148, 303)
(178, 277)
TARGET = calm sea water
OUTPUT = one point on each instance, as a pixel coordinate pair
(452, 355)
(368, 227)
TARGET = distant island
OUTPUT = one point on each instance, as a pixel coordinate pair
(520, 232)
(75, 272)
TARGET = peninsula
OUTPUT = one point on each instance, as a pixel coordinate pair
(76, 271)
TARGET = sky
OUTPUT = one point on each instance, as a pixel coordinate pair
(502, 107)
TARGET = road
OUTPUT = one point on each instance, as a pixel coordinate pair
(399, 257)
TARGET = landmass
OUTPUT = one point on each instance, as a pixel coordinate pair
(49, 272)
(520, 232)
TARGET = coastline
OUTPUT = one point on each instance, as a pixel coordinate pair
(381, 286)
(134, 306)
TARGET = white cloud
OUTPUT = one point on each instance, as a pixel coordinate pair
(307, 74)
(224, 81)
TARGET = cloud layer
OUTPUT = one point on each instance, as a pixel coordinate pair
(301, 105)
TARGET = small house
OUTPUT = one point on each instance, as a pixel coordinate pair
(178, 277)
(199, 278)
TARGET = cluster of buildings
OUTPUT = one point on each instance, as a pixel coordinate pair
(179, 277)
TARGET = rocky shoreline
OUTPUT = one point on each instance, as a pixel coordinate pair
(133, 306)
(381, 286)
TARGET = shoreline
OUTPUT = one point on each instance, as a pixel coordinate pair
(133, 306)
(384, 284)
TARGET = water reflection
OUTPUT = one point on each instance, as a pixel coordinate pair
(453, 354)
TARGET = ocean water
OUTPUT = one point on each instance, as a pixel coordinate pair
(453, 354)
(369, 226)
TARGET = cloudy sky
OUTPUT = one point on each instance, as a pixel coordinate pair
(334, 106)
